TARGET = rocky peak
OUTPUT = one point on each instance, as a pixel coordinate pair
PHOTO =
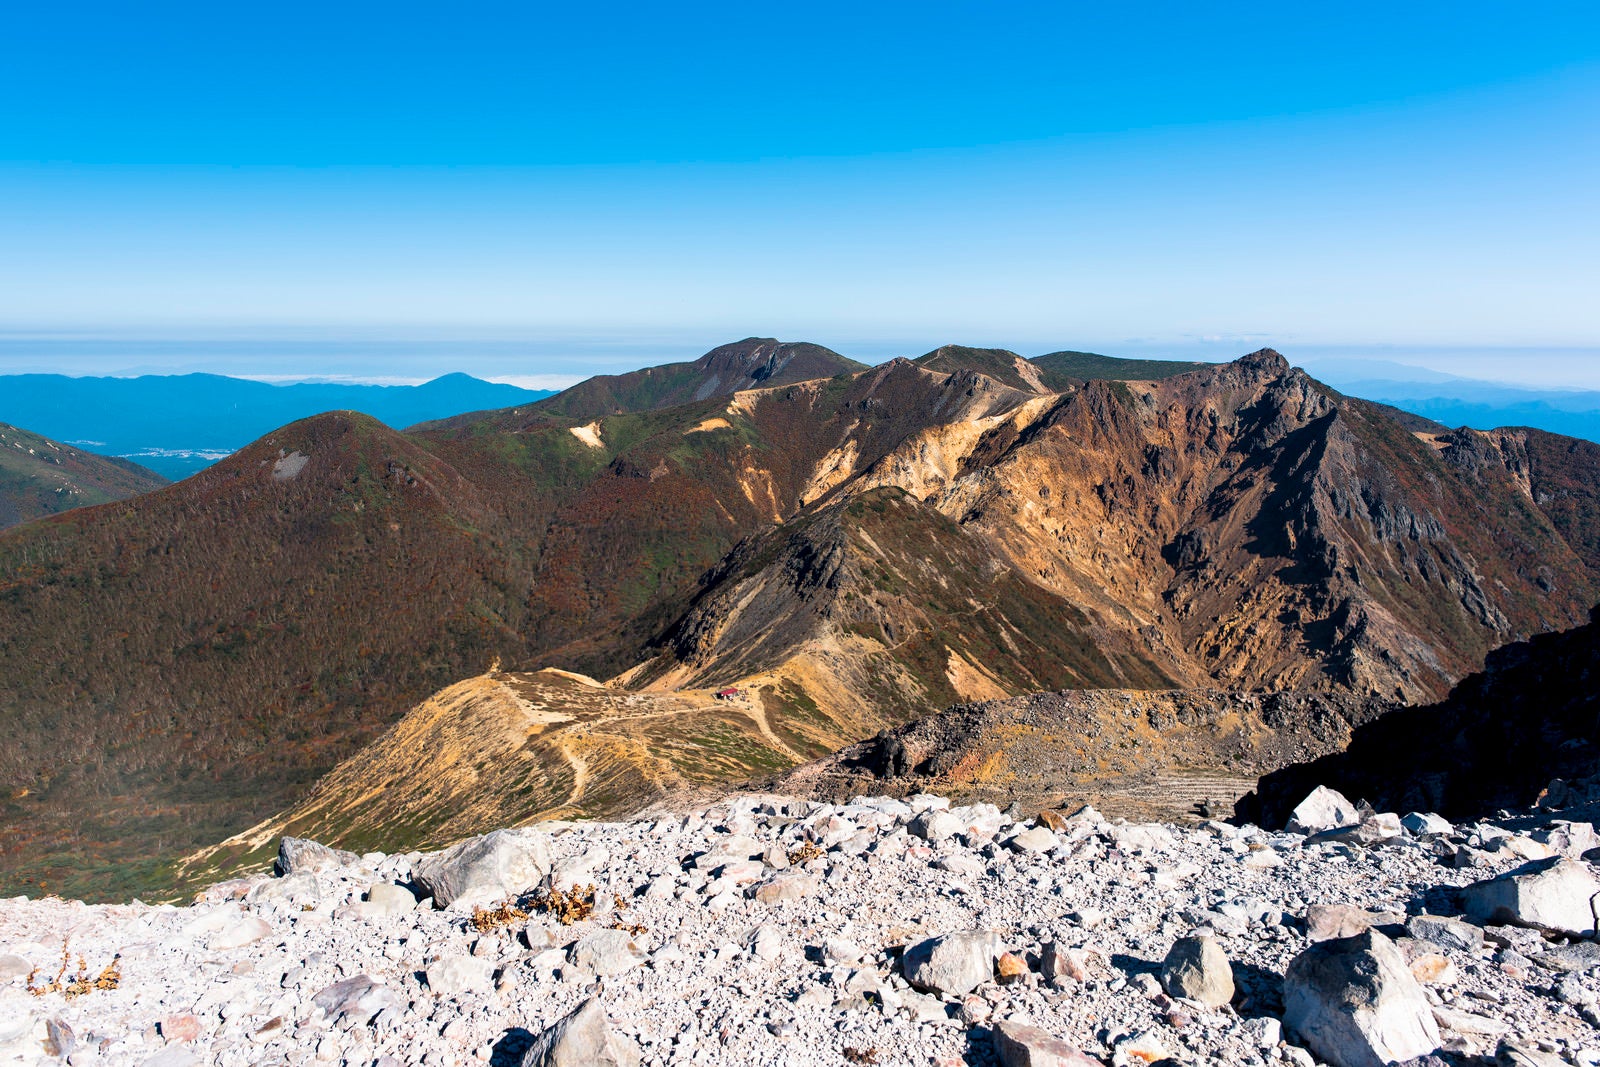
(1264, 360)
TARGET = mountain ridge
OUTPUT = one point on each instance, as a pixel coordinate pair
(1236, 525)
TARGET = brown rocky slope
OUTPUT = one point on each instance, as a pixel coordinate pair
(186, 664)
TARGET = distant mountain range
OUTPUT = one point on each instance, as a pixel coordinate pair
(847, 547)
(178, 424)
(1482, 405)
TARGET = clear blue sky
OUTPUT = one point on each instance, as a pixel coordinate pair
(1145, 178)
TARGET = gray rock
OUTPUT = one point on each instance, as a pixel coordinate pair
(1423, 823)
(1021, 1045)
(607, 952)
(955, 963)
(1452, 935)
(300, 854)
(1198, 970)
(1354, 1002)
(1517, 1054)
(582, 1039)
(503, 864)
(14, 967)
(1555, 895)
(1324, 809)
(1575, 958)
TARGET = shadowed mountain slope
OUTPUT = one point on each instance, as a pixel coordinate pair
(1531, 715)
(853, 550)
(40, 477)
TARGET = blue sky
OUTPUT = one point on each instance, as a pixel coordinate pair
(523, 189)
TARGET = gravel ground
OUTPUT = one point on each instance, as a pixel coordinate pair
(790, 958)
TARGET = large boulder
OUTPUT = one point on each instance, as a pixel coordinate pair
(952, 964)
(301, 854)
(582, 1039)
(1324, 809)
(1557, 895)
(503, 864)
(1198, 970)
(1355, 1003)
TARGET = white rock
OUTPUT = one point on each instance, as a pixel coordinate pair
(1463, 1022)
(1324, 809)
(607, 952)
(935, 826)
(452, 975)
(1038, 839)
(1556, 895)
(1354, 1002)
(1265, 1031)
(240, 932)
(387, 898)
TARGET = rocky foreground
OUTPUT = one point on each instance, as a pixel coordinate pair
(765, 930)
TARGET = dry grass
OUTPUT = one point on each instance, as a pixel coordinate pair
(486, 920)
(79, 983)
(567, 905)
(805, 853)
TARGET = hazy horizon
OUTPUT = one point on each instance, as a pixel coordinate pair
(371, 357)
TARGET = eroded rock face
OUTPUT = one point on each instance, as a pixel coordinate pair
(952, 964)
(1556, 895)
(1355, 1003)
(502, 864)
(582, 1039)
